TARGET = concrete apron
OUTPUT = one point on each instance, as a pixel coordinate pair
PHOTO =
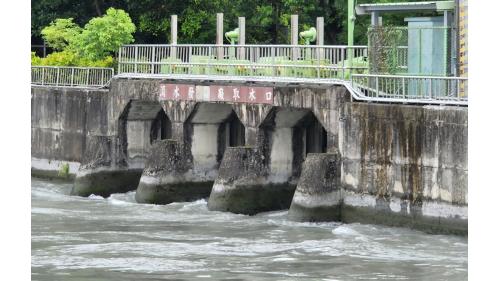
(53, 169)
(170, 176)
(105, 181)
(243, 185)
(320, 197)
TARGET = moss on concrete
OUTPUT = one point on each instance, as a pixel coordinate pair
(368, 215)
(172, 192)
(107, 182)
(252, 199)
(51, 175)
(301, 213)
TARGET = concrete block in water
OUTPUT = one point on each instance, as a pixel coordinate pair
(243, 186)
(100, 173)
(318, 193)
(169, 176)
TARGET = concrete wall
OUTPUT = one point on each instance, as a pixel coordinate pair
(61, 121)
(399, 164)
(412, 152)
(406, 160)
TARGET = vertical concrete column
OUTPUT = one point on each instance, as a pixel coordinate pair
(320, 29)
(173, 29)
(374, 19)
(241, 27)
(294, 37)
(173, 35)
(220, 35)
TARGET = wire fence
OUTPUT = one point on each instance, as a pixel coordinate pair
(61, 76)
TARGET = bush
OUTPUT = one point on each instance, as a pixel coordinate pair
(69, 58)
(35, 60)
(91, 46)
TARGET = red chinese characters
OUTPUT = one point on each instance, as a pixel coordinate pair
(215, 93)
(241, 94)
(177, 92)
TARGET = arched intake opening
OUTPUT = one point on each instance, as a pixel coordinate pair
(140, 123)
(211, 128)
(290, 134)
(161, 128)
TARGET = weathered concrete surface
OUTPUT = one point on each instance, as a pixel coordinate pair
(169, 176)
(103, 170)
(318, 196)
(243, 184)
(400, 165)
(188, 168)
(61, 120)
(405, 165)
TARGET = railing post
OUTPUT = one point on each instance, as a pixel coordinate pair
(102, 77)
(72, 76)
(57, 76)
(136, 58)
(88, 76)
(43, 75)
(190, 67)
(273, 56)
(119, 59)
(153, 54)
(430, 88)
(342, 58)
(376, 86)
(404, 88)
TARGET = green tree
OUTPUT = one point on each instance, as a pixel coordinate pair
(104, 35)
(60, 33)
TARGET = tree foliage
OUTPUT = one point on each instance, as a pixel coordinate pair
(267, 20)
(103, 35)
(92, 45)
(60, 33)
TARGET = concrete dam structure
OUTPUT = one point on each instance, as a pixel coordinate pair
(256, 146)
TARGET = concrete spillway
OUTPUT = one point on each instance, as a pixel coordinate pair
(250, 148)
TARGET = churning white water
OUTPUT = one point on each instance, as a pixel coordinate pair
(115, 238)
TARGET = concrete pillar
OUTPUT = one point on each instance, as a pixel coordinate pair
(241, 40)
(168, 176)
(220, 35)
(318, 193)
(374, 18)
(294, 35)
(241, 186)
(320, 29)
(173, 35)
(99, 173)
(173, 29)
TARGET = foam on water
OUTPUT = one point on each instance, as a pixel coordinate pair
(116, 238)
